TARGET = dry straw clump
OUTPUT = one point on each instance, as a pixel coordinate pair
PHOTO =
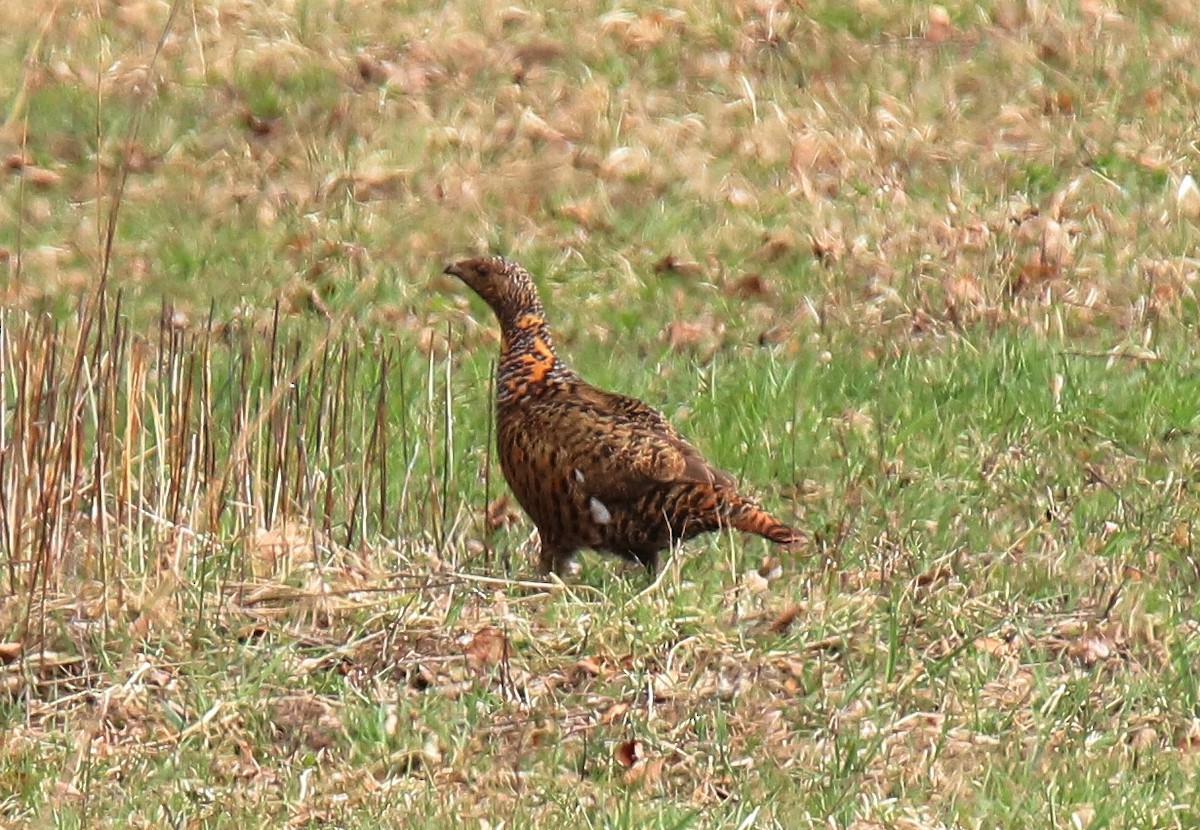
(138, 473)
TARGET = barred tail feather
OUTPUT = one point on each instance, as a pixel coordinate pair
(751, 519)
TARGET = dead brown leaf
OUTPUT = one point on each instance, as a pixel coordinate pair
(646, 772)
(306, 720)
(769, 567)
(586, 213)
(538, 52)
(1059, 102)
(614, 712)
(702, 336)
(750, 286)
(1144, 738)
(285, 546)
(993, 646)
(17, 161)
(431, 340)
(964, 289)
(938, 27)
(40, 177)
(258, 125)
(783, 621)
(934, 576)
(827, 245)
(629, 753)
(368, 185)
(501, 513)
(589, 666)
(639, 32)
(1091, 648)
(487, 647)
(671, 264)
(410, 761)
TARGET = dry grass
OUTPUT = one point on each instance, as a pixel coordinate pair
(921, 274)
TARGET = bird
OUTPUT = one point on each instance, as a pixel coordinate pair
(594, 469)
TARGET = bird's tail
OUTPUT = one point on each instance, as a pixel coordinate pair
(750, 518)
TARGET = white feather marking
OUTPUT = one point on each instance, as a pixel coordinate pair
(600, 513)
(579, 476)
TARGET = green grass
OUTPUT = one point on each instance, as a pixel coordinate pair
(932, 302)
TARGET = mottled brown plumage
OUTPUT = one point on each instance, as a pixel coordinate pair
(594, 469)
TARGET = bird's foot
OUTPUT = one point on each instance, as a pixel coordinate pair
(564, 565)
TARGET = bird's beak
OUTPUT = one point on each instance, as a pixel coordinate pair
(453, 270)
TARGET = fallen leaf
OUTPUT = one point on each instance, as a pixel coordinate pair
(614, 713)
(432, 340)
(671, 264)
(626, 163)
(306, 720)
(933, 576)
(770, 568)
(646, 772)
(1060, 103)
(1144, 738)
(1082, 817)
(938, 29)
(1187, 198)
(589, 666)
(1091, 648)
(257, 124)
(831, 645)
(501, 513)
(40, 176)
(993, 646)
(629, 753)
(289, 545)
(487, 647)
(964, 289)
(702, 336)
(755, 582)
(750, 286)
(827, 245)
(783, 621)
(586, 213)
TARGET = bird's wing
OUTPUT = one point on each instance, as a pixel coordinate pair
(622, 447)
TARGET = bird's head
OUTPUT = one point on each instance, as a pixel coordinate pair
(503, 285)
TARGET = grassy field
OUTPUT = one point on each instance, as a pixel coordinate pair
(923, 277)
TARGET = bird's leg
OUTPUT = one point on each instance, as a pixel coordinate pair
(650, 561)
(557, 559)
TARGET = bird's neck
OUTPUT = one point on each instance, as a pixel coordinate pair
(528, 361)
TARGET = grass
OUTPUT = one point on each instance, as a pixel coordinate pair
(922, 282)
